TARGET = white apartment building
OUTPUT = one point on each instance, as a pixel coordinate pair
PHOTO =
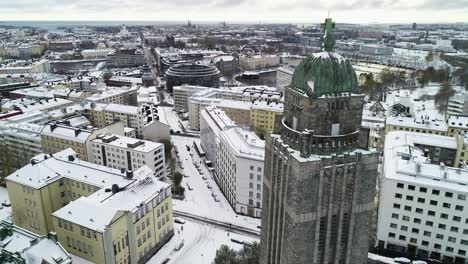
(182, 93)
(95, 53)
(120, 152)
(21, 67)
(458, 104)
(284, 77)
(423, 209)
(238, 157)
(239, 170)
(257, 62)
(144, 119)
(212, 122)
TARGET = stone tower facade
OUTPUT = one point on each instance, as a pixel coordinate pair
(319, 180)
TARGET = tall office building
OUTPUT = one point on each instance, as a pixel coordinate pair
(319, 181)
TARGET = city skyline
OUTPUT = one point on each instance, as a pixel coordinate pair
(296, 11)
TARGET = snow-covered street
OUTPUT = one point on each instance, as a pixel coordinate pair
(200, 244)
(199, 201)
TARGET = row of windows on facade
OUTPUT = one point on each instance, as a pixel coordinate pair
(425, 243)
(418, 130)
(144, 209)
(72, 183)
(61, 140)
(429, 233)
(423, 200)
(80, 246)
(441, 226)
(434, 191)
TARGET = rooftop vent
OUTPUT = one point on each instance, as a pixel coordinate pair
(71, 158)
(115, 188)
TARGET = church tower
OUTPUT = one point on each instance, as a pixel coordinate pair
(320, 176)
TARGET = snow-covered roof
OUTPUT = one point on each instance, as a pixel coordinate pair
(126, 142)
(45, 169)
(407, 164)
(244, 143)
(124, 109)
(268, 106)
(458, 122)
(411, 122)
(34, 248)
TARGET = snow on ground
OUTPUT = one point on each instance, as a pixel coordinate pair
(199, 201)
(5, 212)
(169, 116)
(200, 244)
(380, 259)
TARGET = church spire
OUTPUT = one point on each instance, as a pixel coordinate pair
(328, 43)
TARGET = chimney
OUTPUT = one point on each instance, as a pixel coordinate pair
(71, 158)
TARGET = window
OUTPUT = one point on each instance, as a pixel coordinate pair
(464, 242)
(459, 208)
(402, 237)
(462, 197)
(435, 192)
(444, 216)
(442, 226)
(251, 167)
(454, 229)
(395, 216)
(437, 246)
(415, 230)
(429, 223)
(417, 221)
(413, 240)
(395, 205)
(449, 249)
(433, 202)
(431, 213)
(251, 176)
(452, 239)
(439, 236)
(411, 187)
(427, 233)
(421, 200)
(398, 195)
(404, 228)
(419, 210)
(409, 197)
(448, 194)
(446, 205)
(400, 185)
(393, 225)
(461, 252)
(392, 235)
(423, 189)
(407, 208)
(406, 218)
(425, 243)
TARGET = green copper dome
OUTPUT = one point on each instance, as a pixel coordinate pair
(325, 72)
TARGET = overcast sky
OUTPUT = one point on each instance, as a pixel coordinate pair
(353, 11)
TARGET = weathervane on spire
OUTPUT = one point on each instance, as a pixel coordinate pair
(328, 43)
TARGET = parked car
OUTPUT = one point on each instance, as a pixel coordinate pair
(208, 186)
(204, 178)
(216, 199)
(179, 245)
(6, 203)
(179, 221)
(238, 241)
(213, 194)
(201, 172)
